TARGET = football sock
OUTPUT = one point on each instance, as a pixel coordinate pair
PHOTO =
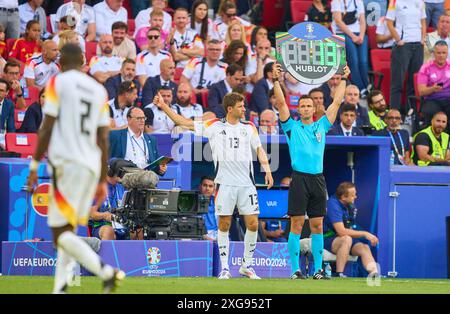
(317, 250)
(223, 241)
(62, 271)
(294, 251)
(83, 253)
(250, 240)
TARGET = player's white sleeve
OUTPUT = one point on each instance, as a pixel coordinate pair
(51, 106)
(255, 141)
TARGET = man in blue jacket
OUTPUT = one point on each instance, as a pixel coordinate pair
(134, 144)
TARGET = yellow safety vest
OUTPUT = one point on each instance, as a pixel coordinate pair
(376, 121)
(438, 150)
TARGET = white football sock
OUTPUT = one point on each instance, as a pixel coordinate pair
(62, 271)
(223, 241)
(249, 247)
(83, 254)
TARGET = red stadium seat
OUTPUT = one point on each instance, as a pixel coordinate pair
(18, 118)
(22, 143)
(298, 10)
(381, 65)
(371, 34)
(177, 76)
(204, 97)
(273, 13)
(49, 25)
(131, 27)
(9, 44)
(91, 50)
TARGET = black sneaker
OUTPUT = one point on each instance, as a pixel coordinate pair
(320, 275)
(110, 285)
(298, 275)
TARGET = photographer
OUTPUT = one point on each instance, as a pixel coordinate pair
(100, 221)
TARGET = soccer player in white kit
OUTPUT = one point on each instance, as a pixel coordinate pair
(232, 141)
(75, 131)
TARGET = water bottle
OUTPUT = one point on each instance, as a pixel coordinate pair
(392, 160)
(328, 269)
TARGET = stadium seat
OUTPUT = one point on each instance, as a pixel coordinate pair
(49, 25)
(33, 95)
(91, 50)
(298, 12)
(22, 143)
(204, 98)
(292, 100)
(380, 77)
(273, 13)
(18, 118)
(131, 27)
(371, 34)
(9, 44)
(177, 76)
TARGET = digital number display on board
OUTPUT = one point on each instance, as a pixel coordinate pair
(311, 53)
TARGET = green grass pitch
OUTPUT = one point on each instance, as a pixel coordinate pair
(184, 285)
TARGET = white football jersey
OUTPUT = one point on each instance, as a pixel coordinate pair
(78, 102)
(232, 149)
(149, 64)
(211, 75)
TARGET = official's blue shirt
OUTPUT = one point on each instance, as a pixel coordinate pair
(306, 144)
(336, 212)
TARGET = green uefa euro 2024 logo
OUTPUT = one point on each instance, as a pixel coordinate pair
(153, 255)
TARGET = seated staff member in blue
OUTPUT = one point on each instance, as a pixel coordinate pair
(341, 234)
(100, 215)
(307, 191)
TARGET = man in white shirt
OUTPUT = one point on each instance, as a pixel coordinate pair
(268, 123)
(123, 46)
(184, 42)
(107, 65)
(39, 69)
(142, 19)
(108, 12)
(157, 120)
(147, 61)
(201, 73)
(184, 105)
(441, 33)
(119, 106)
(84, 17)
(32, 10)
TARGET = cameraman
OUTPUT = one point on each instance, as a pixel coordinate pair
(101, 217)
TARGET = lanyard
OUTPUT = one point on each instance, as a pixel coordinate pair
(395, 145)
(143, 149)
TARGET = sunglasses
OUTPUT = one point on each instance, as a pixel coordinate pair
(230, 15)
(152, 37)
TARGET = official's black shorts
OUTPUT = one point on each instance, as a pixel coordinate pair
(307, 194)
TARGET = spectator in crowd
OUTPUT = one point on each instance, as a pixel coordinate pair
(32, 10)
(6, 112)
(294, 86)
(11, 74)
(236, 52)
(100, 217)
(9, 18)
(157, 120)
(184, 42)
(383, 37)
(258, 33)
(408, 32)
(123, 47)
(147, 61)
(127, 74)
(217, 91)
(378, 109)
(347, 118)
(431, 145)
(142, 17)
(235, 31)
(183, 104)
(260, 96)
(106, 14)
(400, 146)
(133, 144)
(349, 20)
(207, 188)
(441, 33)
(434, 83)
(84, 18)
(434, 9)
(68, 28)
(33, 116)
(156, 20)
(227, 13)
(257, 61)
(342, 235)
(201, 73)
(165, 78)
(319, 12)
(352, 98)
(26, 46)
(200, 22)
(268, 123)
(3, 52)
(317, 97)
(106, 65)
(40, 68)
(119, 106)
(329, 87)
